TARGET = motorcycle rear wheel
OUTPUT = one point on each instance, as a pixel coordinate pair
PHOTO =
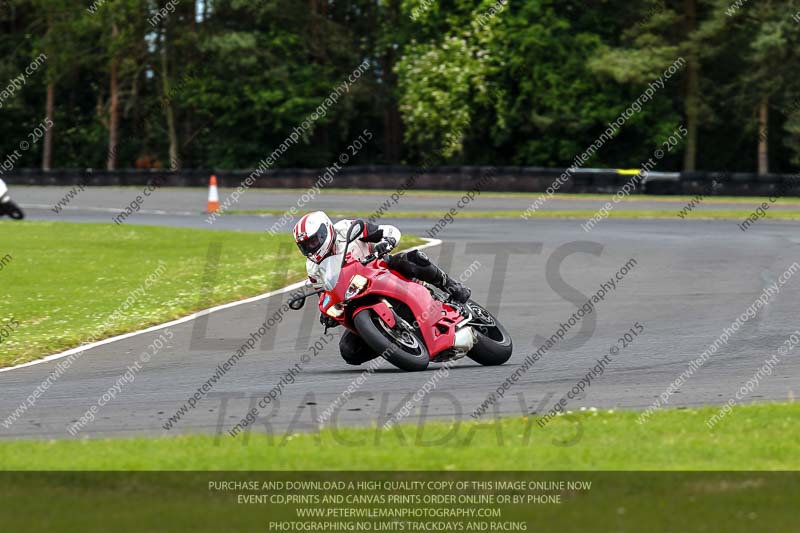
(493, 345)
(400, 346)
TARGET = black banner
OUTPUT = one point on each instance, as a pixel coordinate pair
(398, 501)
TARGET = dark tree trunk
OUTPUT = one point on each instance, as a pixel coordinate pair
(113, 109)
(174, 156)
(47, 143)
(392, 119)
(692, 100)
(763, 136)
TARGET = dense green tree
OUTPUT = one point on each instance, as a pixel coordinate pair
(660, 32)
(764, 42)
(222, 83)
(520, 78)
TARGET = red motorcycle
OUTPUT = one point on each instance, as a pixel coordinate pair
(410, 323)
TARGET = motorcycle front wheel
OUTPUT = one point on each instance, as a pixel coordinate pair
(402, 345)
(12, 210)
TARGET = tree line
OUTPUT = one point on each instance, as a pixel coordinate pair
(222, 83)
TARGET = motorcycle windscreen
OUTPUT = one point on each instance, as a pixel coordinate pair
(331, 267)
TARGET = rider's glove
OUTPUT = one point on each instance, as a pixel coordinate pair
(385, 246)
(327, 321)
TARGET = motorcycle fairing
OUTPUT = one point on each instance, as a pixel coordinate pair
(437, 321)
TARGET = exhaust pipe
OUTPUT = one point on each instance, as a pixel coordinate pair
(465, 339)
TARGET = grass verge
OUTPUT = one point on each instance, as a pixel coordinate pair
(705, 214)
(63, 283)
(748, 200)
(755, 437)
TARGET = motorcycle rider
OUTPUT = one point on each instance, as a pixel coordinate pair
(318, 238)
(7, 206)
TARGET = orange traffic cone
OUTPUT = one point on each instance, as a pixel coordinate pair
(213, 196)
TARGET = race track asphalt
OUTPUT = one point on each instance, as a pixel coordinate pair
(691, 279)
(112, 200)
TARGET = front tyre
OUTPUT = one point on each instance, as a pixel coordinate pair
(401, 345)
(16, 212)
(493, 345)
(12, 210)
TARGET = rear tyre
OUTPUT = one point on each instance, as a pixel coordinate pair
(401, 345)
(493, 345)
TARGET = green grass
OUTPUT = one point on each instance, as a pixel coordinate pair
(65, 281)
(755, 200)
(756, 437)
(585, 214)
(677, 473)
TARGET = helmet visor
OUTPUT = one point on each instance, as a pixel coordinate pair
(313, 243)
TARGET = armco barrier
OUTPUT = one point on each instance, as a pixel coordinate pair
(522, 179)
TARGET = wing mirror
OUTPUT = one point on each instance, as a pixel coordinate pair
(297, 302)
(355, 231)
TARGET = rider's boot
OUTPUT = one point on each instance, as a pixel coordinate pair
(458, 292)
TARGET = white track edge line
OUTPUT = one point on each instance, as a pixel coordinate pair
(429, 244)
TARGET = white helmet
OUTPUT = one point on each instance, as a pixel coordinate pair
(314, 236)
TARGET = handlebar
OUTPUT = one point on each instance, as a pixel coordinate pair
(372, 257)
